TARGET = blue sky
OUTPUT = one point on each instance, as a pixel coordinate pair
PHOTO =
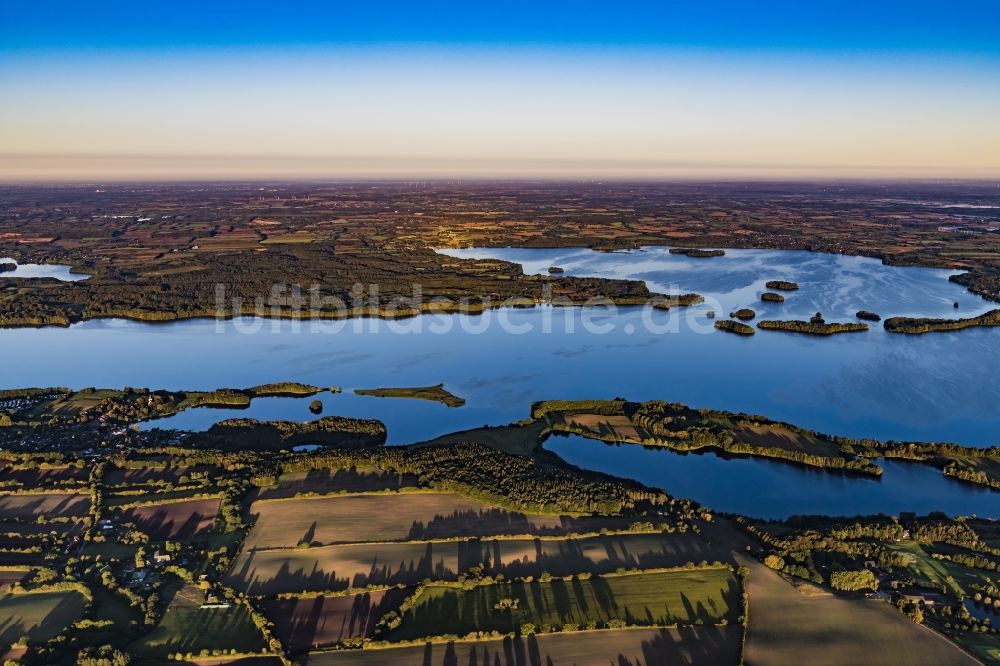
(971, 27)
(639, 89)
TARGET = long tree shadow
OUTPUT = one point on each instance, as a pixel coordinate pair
(318, 622)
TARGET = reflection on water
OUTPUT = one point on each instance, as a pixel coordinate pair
(768, 489)
(939, 387)
(55, 271)
(836, 285)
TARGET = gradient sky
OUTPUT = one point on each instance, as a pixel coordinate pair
(130, 90)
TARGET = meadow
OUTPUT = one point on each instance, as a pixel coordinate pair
(41, 475)
(186, 627)
(684, 646)
(38, 615)
(153, 474)
(702, 596)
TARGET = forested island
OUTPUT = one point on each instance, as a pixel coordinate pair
(915, 325)
(697, 253)
(436, 393)
(811, 327)
(730, 326)
(868, 316)
(782, 285)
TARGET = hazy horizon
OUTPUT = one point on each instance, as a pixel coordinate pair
(638, 92)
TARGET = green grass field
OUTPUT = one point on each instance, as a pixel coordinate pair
(704, 596)
(39, 616)
(186, 627)
(685, 646)
(931, 572)
(984, 646)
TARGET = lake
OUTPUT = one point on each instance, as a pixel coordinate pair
(936, 387)
(774, 490)
(55, 271)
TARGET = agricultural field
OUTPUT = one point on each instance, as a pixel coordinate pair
(327, 481)
(28, 507)
(44, 475)
(390, 517)
(340, 566)
(75, 404)
(10, 576)
(34, 529)
(186, 627)
(312, 622)
(684, 646)
(931, 572)
(154, 474)
(175, 520)
(611, 427)
(988, 530)
(153, 495)
(702, 596)
(790, 627)
(38, 615)
(775, 436)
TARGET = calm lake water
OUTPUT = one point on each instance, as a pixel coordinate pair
(938, 387)
(767, 489)
(56, 271)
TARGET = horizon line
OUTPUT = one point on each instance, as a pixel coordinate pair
(22, 168)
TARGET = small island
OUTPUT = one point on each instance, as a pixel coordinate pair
(661, 302)
(554, 270)
(436, 393)
(7, 267)
(286, 390)
(316, 406)
(812, 327)
(782, 285)
(697, 252)
(736, 327)
(868, 316)
(916, 325)
(772, 297)
(743, 314)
